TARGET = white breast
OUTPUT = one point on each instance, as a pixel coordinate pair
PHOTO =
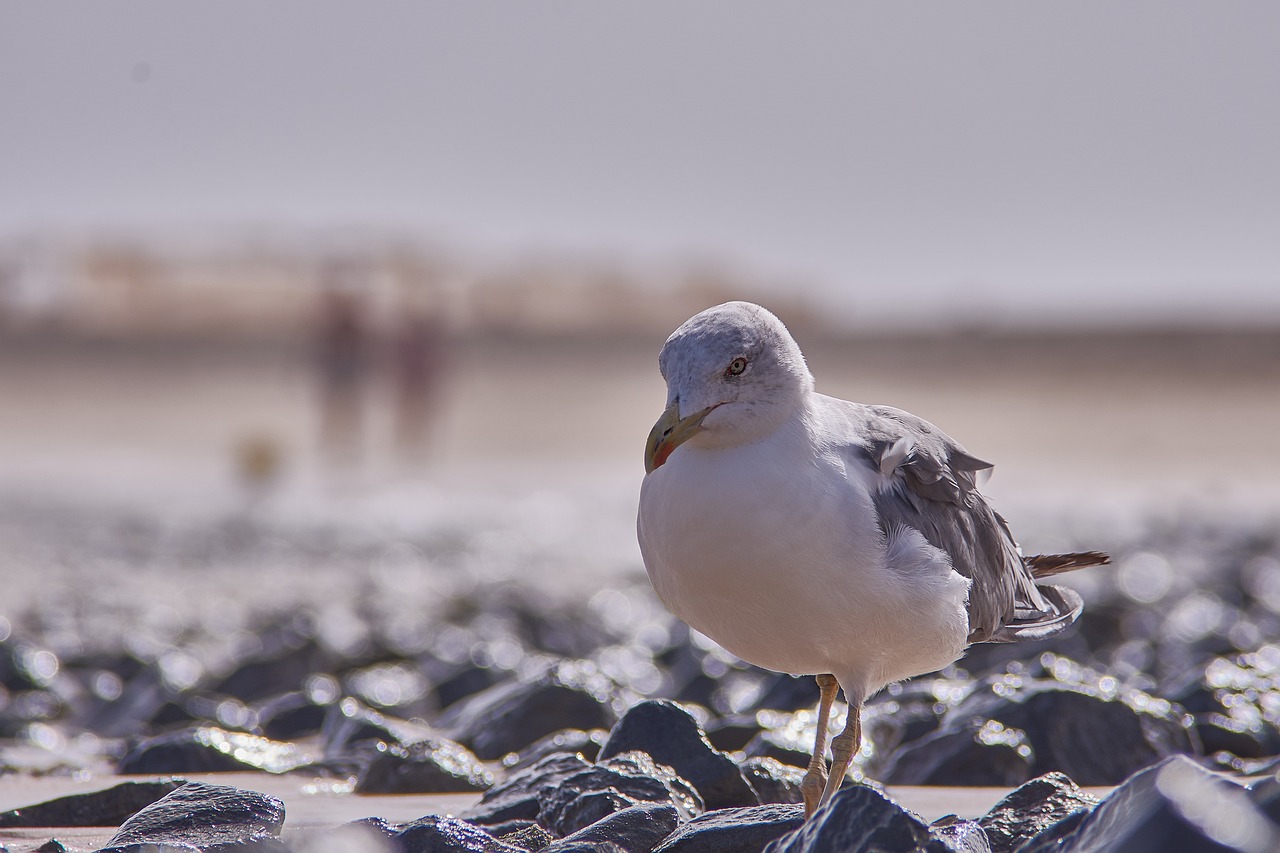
(772, 550)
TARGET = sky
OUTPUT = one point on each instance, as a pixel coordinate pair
(1004, 160)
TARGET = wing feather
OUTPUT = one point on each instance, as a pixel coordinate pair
(932, 487)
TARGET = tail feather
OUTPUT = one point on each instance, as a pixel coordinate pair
(1048, 565)
(1064, 609)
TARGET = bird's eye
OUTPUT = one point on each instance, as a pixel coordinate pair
(736, 366)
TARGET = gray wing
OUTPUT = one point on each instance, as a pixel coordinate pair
(931, 486)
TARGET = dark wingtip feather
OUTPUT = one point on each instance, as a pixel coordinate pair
(1066, 606)
(1048, 565)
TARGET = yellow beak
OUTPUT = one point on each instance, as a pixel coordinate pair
(670, 432)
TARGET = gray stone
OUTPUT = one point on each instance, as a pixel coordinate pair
(433, 766)
(860, 819)
(1033, 808)
(637, 829)
(673, 737)
(773, 781)
(509, 716)
(745, 830)
(1175, 805)
(207, 818)
(436, 834)
(108, 807)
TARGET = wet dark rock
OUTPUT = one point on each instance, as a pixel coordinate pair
(140, 698)
(432, 766)
(531, 838)
(1265, 794)
(1221, 733)
(913, 713)
(744, 830)
(53, 845)
(1094, 736)
(789, 693)
(617, 783)
(959, 835)
(461, 683)
(586, 744)
(205, 817)
(1175, 805)
(288, 657)
(567, 810)
(108, 807)
(351, 728)
(1032, 808)
(637, 829)
(773, 781)
(672, 737)
(732, 733)
(209, 749)
(860, 819)
(516, 796)
(509, 716)
(291, 715)
(436, 834)
(970, 753)
(782, 745)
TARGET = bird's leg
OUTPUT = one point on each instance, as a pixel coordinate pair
(843, 748)
(815, 779)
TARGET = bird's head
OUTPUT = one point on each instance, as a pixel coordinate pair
(733, 373)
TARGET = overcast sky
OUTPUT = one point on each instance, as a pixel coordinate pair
(1012, 157)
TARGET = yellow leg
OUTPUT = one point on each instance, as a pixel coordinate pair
(815, 779)
(843, 748)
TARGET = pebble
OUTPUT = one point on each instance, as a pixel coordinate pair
(742, 830)
(671, 736)
(581, 716)
(433, 766)
(204, 817)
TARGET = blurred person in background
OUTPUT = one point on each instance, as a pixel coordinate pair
(419, 358)
(343, 361)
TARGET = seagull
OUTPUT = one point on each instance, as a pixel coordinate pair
(816, 536)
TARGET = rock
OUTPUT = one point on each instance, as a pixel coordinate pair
(959, 835)
(860, 819)
(435, 834)
(516, 797)
(289, 655)
(466, 681)
(433, 766)
(531, 838)
(744, 830)
(672, 737)
(351, 728)
(617, 783)
(53, 845)
(209, 749)
(108, 807)
(371, 835)
(773, 781)
(587, 744)
(205, 817)
(1175, 805)
(970, 753)
(637, 829)
(1265, 794)
(509, 716)
(291, 715)
(732, 733)
(1221, 733)
(1032, 808)
(1096, 736)
(789, 693)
